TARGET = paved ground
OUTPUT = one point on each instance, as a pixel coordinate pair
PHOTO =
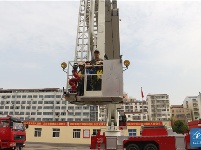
(49, 146)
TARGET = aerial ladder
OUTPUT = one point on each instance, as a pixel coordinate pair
(98, 29)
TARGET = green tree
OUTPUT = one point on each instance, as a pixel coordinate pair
(179, 126)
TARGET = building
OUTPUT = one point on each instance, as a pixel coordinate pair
(135, 110)
(158, 107)
(43, 105)
(78, 132)
(193, 103)
(178, 112)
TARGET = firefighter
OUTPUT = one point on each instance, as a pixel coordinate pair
(81, 82)
(89, 70)
(96, 57)
(97, 81)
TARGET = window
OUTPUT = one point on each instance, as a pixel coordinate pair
(37, 132)
(17, 102)
(23, 102)
(39, 107)
(27, 113)
(40, 102)
(85, 119)
(56, 132)
(33, 107)
(29, 96)
(77, 119)
(85, 107)
(58, 96)
(24, 96)
(39, 113)
(76, 133)
(35, 96)
(78, 107)
(63, 113)
(77, 113)
(57, 107)
(49, 102)
(95, 131)
(33, 113)
(34, 102)
(13, 96)
(57, 102)
(40, 96)
(132, 132)
(49, 96)
(70, 107)
(85, 113)
(64, 102)
(6, 107)
(63, 107)
(21, 113)
(70, 119)
(18, 96)
(70, 113)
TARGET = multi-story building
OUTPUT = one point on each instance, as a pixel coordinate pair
(178, 112)
(192, 102)
(135, 110)
(158, 107)
(43, 105)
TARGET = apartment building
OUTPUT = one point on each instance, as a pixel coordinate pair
(178, 112)
(158, 107)
(193, 103)
(43, 105)
(135, 110)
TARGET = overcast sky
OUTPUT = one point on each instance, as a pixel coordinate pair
(161, 39)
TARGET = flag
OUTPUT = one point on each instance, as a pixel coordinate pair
(142, 93)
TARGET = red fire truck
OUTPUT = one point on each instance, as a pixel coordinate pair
(152, 138)
(12, 133)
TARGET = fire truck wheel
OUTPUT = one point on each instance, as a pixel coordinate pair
(18, 148)
(132, 147)
(150, 147)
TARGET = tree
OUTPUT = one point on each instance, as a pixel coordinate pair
(179, 126)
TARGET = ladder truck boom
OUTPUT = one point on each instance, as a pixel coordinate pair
(97, 31)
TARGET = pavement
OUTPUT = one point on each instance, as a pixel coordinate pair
(50, 146)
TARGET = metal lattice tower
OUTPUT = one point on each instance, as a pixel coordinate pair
(86, 30)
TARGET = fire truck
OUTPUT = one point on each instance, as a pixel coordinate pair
(98, 37)
(12, 133)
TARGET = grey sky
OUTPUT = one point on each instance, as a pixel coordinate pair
(162, 40)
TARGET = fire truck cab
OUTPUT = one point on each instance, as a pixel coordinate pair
(12, 133)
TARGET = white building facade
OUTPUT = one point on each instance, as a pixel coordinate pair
(193, 103)
(158, 107)
(135, 110)
(43, 105)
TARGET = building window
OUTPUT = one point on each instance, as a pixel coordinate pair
(18, 96)
(77, 113)
(70, 119)
(63, 107)
(56, 132)
(77, 119)
(40, 102)
(132, 132)
(37, 132)
(40, 96)
(39, 113)
(29, 96)
(23, 96)
(58, 96)
(49, 96)
(35, 96)
(95, 131)
(76, 133)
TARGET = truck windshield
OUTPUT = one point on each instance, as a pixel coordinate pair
(18, 126)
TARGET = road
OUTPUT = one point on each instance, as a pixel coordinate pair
(45, 146)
